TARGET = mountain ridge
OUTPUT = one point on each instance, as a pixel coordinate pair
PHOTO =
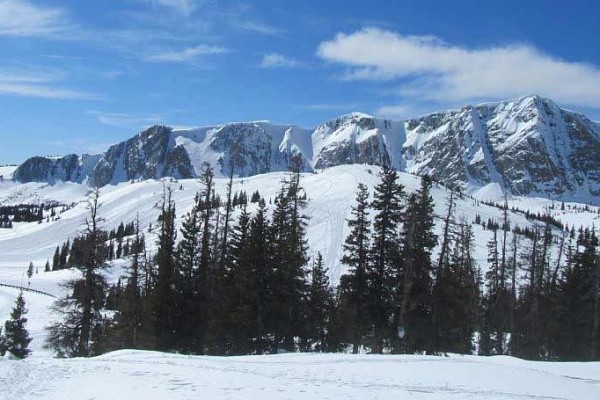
(527, 146)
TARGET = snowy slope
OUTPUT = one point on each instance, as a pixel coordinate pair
(148, 375)
(331, 194)
(7, 171)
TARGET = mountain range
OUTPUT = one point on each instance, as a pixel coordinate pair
(527, 147)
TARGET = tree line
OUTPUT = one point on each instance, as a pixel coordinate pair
(249, 285)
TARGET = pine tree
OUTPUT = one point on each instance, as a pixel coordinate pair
(289, 259)
(47, 266)
(413, 277)
(187, 286)
(132, 328)
(258, 258)
(64, 254)
(30, 270)
(387, 203)
(164, 312)
(356, 257)
(319, 306)
(455, 296)
(81, 332)
(243, 291)
(56, 260)
(16, 337)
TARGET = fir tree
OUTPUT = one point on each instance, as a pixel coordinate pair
(16, 338)
(163, 295)
(413, 277)
(356, 257)
(289, 259)
(81, 331)
(319, 306)
(387, 204)
(56, 260)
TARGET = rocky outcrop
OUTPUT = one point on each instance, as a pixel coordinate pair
(527, 146)
(71, 167)
(149, 155)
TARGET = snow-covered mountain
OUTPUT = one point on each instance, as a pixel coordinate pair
(527, 147)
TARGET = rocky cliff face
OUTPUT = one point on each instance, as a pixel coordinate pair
(527, 146)
(151, 154)
(71, 167)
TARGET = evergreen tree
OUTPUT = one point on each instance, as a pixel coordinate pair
(455, 296)
(319, 306)
(164, 305)
(356, 257)
(258, 258)
(30, 270)
(64, 254)
(289, 259)
(81, 331)
(387, 203)
(56, 260)
(243, 315)
(132, 328)
(16, 337)
(413, 277)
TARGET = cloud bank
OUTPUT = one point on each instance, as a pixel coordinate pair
(427, 68)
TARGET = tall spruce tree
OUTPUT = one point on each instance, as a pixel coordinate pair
(414, 275)
(320, 299)
(387, 204)
(288, 257)
(356, 257)
(243, 291)
(163, 297)
(187, 285)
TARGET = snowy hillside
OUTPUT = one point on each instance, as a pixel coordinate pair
(7, 171)
(527, 147)
(331, 194)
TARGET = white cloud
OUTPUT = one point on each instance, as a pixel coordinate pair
(125, 119)
(39, 84)
(21, 18)
(187, 54)
(429, 69)
(276, 60)
(258, 27)
(184, 7)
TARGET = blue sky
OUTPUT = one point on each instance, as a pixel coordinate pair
(76, 76)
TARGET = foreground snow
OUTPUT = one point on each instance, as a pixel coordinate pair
(148, 375)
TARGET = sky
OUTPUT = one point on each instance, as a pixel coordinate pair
(77, 76)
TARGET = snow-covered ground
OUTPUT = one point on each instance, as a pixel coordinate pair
(331, 194)
(149, 375)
